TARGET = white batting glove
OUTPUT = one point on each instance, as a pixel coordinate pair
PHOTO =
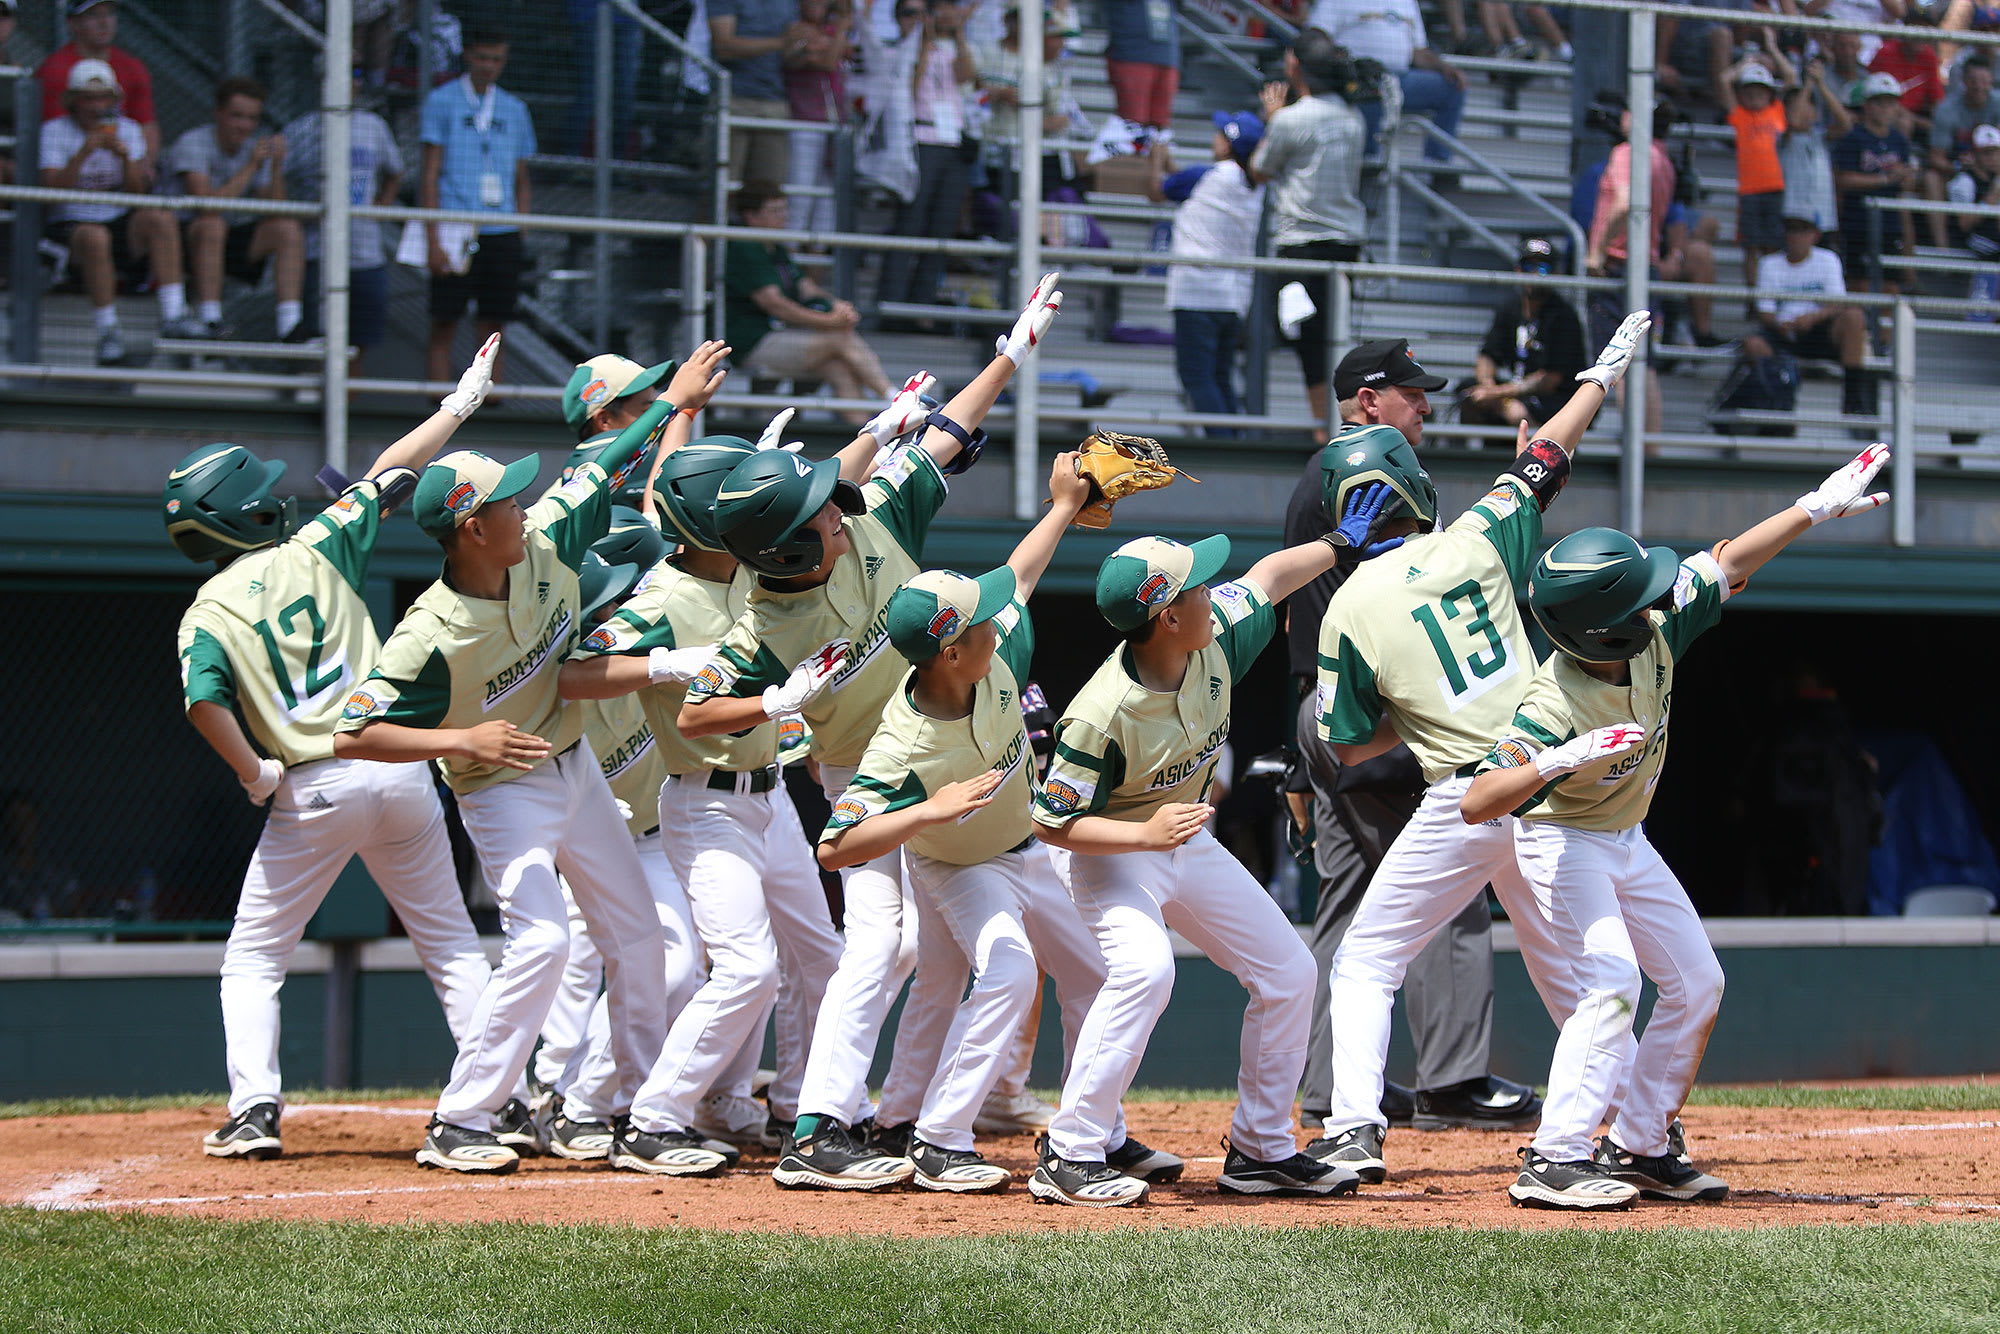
(775, 432)
(664, 665)
(1846, 492)
(1036, 316)
(269, 774)
(1617, 354)
(906, 410)
(1602, 744)
(807, 679)
(475, 384)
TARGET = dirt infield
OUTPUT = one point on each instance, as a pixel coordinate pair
(354, 1162)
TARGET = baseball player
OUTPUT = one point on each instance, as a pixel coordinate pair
(1126, 800)
(812, 639)
(949, 778)
(1428, 648)
(738, 846)
(279, 636)
(1578, 765)
(470, 678)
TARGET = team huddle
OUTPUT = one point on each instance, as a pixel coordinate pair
(612, 680)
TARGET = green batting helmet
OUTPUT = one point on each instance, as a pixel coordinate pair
(763, 506)
(628, 485)
(218, 503)
(1356, 460)
(631, 541)
(1592, 591)
(689, 480)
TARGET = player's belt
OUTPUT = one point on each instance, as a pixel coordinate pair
(1467, 770)
(746, 782)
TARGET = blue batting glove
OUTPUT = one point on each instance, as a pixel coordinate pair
(1364, 510)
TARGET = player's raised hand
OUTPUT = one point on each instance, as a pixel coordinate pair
(1175, 823)
(269, 774)
(906, 411)
(502, 744)
(698, 377)
(955, 801)
(1603, 744)
(1069, 490)
(669, 665)
(1616, 357)
(1036, 316)
(1845, 492)
(774, 434)
(475, 384)
(807, 679)
(1357, 525)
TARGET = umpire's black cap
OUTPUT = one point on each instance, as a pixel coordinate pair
(1380, 363)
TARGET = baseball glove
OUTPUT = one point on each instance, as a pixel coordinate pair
(1119, 465)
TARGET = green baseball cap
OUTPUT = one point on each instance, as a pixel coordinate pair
(928, 614)
(1147, 573)
(605, 377)
(453, 488)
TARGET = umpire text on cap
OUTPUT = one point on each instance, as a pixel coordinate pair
(1379, 364)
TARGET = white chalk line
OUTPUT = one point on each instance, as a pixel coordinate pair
(554, 1182)
(307, 1108)
(1849, 1131)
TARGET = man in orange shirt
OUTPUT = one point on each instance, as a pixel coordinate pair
(1758, 117)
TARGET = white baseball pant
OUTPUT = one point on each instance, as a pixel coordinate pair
(322, 814)
(754, 891)
(1613, 892)
(1128, 900)
(878, 951)
(1436, 866)
(1007, 919)
(559, 817)
(566, 1032)
(591, 1077)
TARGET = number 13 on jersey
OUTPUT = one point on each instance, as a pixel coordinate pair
(1469, 647)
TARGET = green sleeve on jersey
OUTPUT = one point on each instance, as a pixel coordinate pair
(1244, 621)
(1017, 638)
(906, 495)
(626, 632)
(575, 514)
(345, 531)
(206, 673)
(868, 796)
(1697, 603)
(1510, 518)
(421, 701)
(1088, 766)
(748, 674)
(1348, 706)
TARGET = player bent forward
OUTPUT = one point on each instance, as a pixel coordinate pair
(1578, 766)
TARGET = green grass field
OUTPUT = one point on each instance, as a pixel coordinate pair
(64, 1272)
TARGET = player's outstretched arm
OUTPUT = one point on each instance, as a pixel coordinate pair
(881, 834)
(224, 735)
(1287, 570)
(608, 676)
(1566, 428)
(415, 450)
(1096, 835)
(1498, 791)
(706, 714)
(905, 413)
(1069, 492)
(495, 743)
(1843, 494)
(688, 392)
(969, 406)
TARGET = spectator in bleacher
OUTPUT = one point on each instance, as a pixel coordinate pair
(477, 138)
(1526, 367)
(1143, 58)
(1803, 154)
(1695, 54)
(1000, 82)
(945, 75)
(1504, 37)
(1858, 11)
(1969, 106)
(1847, 73)
(816, 90)
(751, 38)
(1392, 32)
(92, 147)
(782, 324)
(375, 175)
(1874, 159)
(1915, 66)
(6, 103)
(1220, 207)
(888, 154)
(1607, 254)
(1979, 183)
(1797, 317)
(229, 159)
(1312, 151)
(1757, 119)
(93, 26)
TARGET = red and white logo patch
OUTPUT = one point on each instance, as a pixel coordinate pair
(1158, 588)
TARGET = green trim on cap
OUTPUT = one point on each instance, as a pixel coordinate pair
(921, 622)
(1132, 585)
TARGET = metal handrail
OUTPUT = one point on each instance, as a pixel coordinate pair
(1505, 179)
(1227, 56)
(294, 22)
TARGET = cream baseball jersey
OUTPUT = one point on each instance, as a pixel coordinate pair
(457, 661)
(781, 629)
(1564, 701)
(1124, 751)
(623, 743)
(283, 635)
(673, 609)
(1430, 635)
(911, 757)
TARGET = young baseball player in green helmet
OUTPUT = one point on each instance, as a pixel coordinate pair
(269, 651)
(1578, 764)
(813, 640)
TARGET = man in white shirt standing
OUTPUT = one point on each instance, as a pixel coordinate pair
(1392, 31)
(1796, 318)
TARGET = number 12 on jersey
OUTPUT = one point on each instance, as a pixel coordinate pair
(1479, 660)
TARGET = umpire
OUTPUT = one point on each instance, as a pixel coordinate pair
(1357, 811)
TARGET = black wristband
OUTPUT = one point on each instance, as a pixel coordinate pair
(1544, 466)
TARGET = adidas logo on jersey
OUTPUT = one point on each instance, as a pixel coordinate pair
(1414, 575)
(256, 587)
(1215, 687)
(542, 591)
(872, 566)
(319, 802)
